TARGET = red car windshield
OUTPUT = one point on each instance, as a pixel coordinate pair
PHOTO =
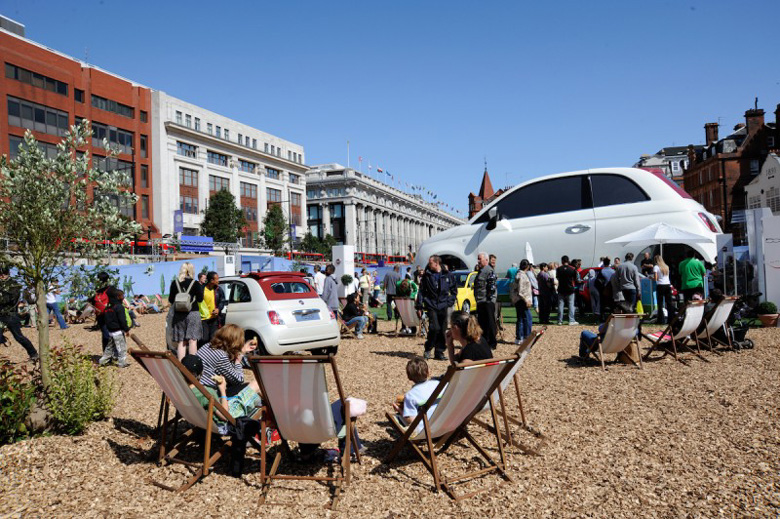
(677, 189)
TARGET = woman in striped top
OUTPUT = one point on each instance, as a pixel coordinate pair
(223, 355)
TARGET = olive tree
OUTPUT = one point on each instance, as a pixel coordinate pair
(56, 208)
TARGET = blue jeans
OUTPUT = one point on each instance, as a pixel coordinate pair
(55, 309)
(524, 321)
(570, 300)
(361, 321)
(587, 340)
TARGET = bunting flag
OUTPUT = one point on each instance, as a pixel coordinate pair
(379, 170)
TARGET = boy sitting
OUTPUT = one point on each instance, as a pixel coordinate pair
(417, 371)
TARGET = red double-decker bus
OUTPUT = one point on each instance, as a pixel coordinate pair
(396, 258)
(367, 258)
(304, 256)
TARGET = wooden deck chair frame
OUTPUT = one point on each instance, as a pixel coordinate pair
(676, 343)
(168, 453)
(503, 409)
(599, 343)
(442, 443)
(710, 326)
(346, 329)
(266, 476)
(421, 324)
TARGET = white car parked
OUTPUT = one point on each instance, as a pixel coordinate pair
(574, 214)
(282, 310)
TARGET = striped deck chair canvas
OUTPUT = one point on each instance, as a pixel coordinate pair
(295, 391)
(688, 319)
(464, 390)
(174, 380)
(716, 320)
(621, 331)
(408, 315)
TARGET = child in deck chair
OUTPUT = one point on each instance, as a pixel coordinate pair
(417, 371)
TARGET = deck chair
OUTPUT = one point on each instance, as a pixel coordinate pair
(464, 390)
(295, 393)
(511, 377)
(173, 379)
(345, 329)
(621, 332)
(408, 315)
(715, 320)
(688, 317)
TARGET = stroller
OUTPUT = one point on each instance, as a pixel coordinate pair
(736, 327)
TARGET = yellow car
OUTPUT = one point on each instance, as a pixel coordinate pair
(464, 279)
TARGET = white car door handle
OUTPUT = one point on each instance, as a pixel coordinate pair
(577, 229)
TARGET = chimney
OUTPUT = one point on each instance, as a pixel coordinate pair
(754, 119)
(692, 151)
(711, 132)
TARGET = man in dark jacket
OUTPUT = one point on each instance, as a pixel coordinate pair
(485, 292)
(116, 318)
(437, 297)
(100, 320)
(9, 303)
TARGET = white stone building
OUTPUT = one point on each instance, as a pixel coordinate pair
(371, 215)
(764, 190)
(197, 152)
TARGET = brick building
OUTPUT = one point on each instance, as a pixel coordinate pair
(485, 196)
(45, 91)
(717, 175)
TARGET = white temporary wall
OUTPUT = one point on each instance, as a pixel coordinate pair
(344, 261)
(771, 265)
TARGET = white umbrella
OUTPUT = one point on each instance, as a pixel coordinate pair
(529, 253)
(660, 233)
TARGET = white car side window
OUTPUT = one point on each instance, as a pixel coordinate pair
(239, 293)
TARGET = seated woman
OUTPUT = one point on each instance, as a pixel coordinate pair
(352, 316)
(368, 315)
(245, 403)
(465, 330)
(223, 356)
(149, 305)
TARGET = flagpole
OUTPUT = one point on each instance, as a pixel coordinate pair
(347, 152)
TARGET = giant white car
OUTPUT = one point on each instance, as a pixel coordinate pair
(574, 214)
(282, 310)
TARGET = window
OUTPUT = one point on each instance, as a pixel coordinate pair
(218, 183)
(754, 166)
(278, 152)
(144, 116)
(312, 193)
(675, 166)
(114, 164)
(295, 179)
(144, 175)
(247, 166)
(178, 117)
(240, 139)
(273, 149)
(773, 199)
(144, 150)
(247, 141)
(254, 143)
(266, 147)
(144, 206)
(36, 117)
(188, 204)
(78, 95)
(219, 131)
(754, 202)
(188, 121)
(49, 149)
(188, 177)
(187, 150)
(770, 140)
(217, 158)
(197, 124)
(273, 173)
(616, 190)
(248, 190)
(112, 106)
(227, 134)
(546, 197)
(209, 128)
(289, 155)
(35, 79)
(295, 199)
(239, 293)
(274, 196)
(250, 213)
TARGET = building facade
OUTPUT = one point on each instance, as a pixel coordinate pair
(672, 161)
(374, 217)
(46, 92)
(485, 196)
(764, 190)
(198, 152)
(717, 175)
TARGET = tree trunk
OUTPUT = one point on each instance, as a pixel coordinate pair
(43, 333)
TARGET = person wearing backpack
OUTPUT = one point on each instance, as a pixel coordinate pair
(99, 302)
(118, 324)
(185, 295)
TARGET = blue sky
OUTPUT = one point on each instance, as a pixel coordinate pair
(426, 90)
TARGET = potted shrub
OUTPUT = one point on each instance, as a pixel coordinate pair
(767, 313)
(346, 279)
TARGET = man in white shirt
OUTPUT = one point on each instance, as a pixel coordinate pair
(319, 279)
